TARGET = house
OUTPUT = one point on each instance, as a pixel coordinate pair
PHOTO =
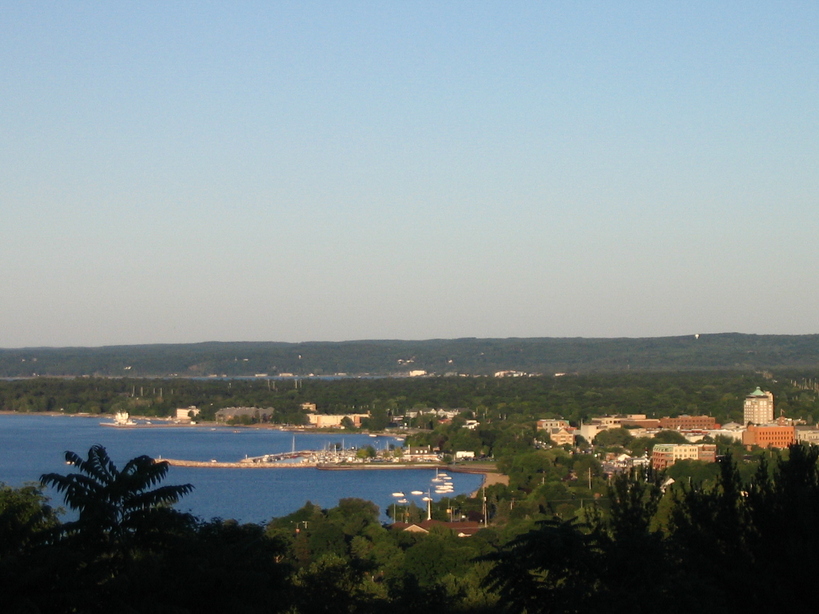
(462, 528)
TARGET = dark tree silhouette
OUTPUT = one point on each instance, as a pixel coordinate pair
(118, 509)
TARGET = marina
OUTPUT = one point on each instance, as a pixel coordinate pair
(208, 458)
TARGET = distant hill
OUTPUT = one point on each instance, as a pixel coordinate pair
(436, 356)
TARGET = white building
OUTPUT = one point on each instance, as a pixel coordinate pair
(186, 413)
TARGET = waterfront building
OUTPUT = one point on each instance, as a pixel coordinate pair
(420, 454)
(758, 408)
(254, 414)
(328, 421)
(186, 414)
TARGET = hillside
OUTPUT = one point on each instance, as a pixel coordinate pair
(437, 356)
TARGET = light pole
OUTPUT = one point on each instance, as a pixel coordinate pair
(400, 496)
(428, 499)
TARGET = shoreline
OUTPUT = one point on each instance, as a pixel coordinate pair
(165, 422)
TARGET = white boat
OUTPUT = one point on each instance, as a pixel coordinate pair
(121, 418)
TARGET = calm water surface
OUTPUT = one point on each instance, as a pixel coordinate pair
(31, 445)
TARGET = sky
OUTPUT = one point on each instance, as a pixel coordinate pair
(176, 172)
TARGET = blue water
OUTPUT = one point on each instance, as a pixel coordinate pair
(31, 445)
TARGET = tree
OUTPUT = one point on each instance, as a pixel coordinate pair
(117, 509)
(670, 437)
(26, 519)
(548, 569)
(613, 437)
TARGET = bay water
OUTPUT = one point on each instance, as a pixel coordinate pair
(32, 444)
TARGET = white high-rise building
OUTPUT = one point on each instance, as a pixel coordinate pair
(759, 407)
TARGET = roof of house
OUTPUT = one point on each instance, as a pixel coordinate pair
(463, 529)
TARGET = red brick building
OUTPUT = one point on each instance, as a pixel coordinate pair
(689, 423)
(770, 436)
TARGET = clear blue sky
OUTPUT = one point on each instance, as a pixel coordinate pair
(294, 171)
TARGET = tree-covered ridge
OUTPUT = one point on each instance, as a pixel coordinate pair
(439, 356)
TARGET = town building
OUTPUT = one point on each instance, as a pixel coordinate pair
(689, 423)
(731, 430)
(758, 408)
(639, 421)
(561, 436)
(589, 430)
(807, 434)
(770, 435)
(552, 423)
(664, 455)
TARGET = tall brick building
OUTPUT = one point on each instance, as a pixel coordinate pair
(759, 408)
